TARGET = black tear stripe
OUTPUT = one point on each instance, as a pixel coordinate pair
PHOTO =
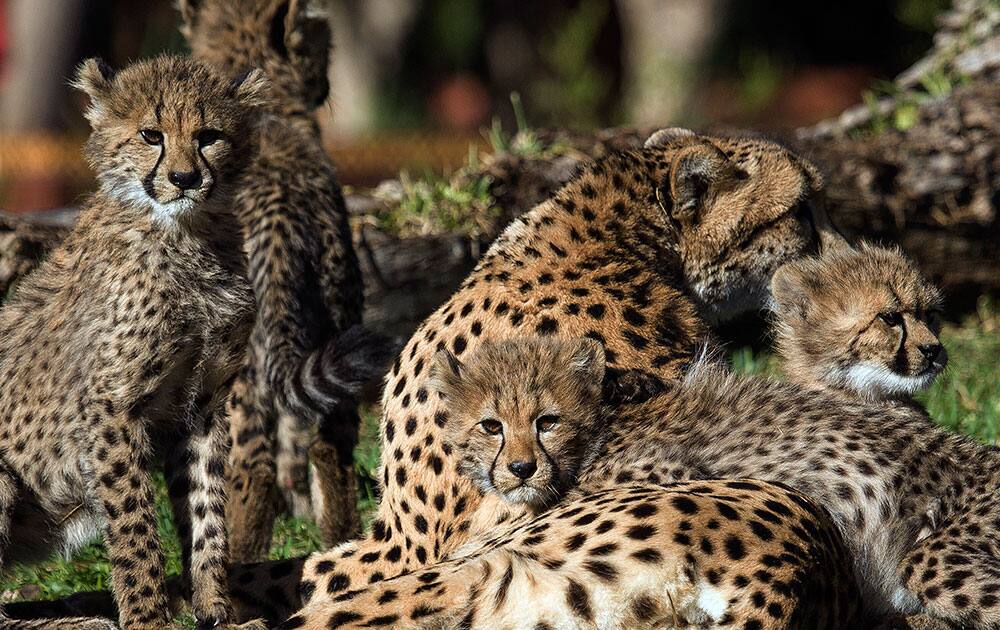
(147, 181)
(211, 171)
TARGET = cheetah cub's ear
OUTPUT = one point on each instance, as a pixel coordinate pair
(791, 289)
(189, 13)
(252, 89)
(93, 78)
(447, 372)
(585, 357)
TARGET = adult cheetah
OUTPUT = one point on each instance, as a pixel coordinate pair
(304, 272)
(688, 555)
(636, 252)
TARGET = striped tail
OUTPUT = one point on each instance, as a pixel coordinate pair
(332, 377)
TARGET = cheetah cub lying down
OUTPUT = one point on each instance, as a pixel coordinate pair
(119, 349)
(917, 505)
(862, 320)
(526, 423)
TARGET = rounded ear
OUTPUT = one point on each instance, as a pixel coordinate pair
(790, 290)
(665, 136)
(252, 89)
(189, 12)
(446, 371)
(587, 359)
(693, 175)
(94, 77)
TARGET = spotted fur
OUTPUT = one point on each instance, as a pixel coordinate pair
(627, 557)
(119, 349)
(304, 273)
(917, 505)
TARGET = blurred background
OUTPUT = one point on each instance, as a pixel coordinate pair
(414, 82)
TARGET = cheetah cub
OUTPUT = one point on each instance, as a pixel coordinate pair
(524, 415)
(117, 352)
(862, 320)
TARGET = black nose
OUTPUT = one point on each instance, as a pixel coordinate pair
(185, 180)
(522, 470)
(931, 351)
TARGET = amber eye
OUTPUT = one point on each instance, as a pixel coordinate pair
(891, 319)
(208, 137)
(151, 136)
(546, 423)
(491, 426)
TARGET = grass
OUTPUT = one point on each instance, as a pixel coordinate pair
(965, 398)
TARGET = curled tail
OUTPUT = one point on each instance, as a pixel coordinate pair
(332, 377)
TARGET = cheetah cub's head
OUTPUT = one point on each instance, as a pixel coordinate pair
(740, 207)
(169, 132)
(523, 415)
(288, 39)
(861, 319)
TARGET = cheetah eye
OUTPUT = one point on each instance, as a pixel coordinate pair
(546, 423)
(491, 426)
(208, 137)
(891, 319)
(151, 136)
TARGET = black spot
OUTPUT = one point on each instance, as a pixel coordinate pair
(685, 505)
(734, 548)
(640, 532)
(575, 542)
(579, 600)
(761, 531)
(338, 582)
(547, 326)
(647, 555)
(643, 511)
(596, 311)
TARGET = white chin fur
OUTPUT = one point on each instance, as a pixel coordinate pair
(523, 494)
(873, 378)
(165, 213)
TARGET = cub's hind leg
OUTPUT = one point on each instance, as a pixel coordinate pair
(335, 486)
(293, 437)
(252, 492)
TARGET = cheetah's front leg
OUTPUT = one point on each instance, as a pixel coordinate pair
(197, 488)
(125, 489)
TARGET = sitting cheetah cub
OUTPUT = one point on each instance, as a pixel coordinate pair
(119, 349)
(863, 320)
